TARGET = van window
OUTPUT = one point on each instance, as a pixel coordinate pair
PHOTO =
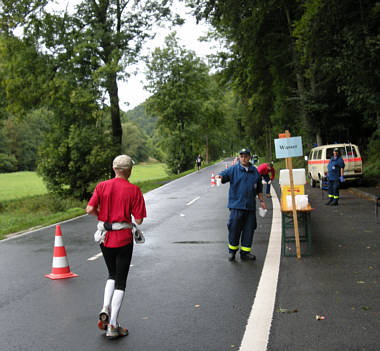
(315, 154)
(330, 152)
(311, 155)
(319, 156)
(351, 152)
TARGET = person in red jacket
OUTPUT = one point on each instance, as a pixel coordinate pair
(114, 202)
(264, 170)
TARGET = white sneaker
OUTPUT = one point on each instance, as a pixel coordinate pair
(114, 332)
(104, 317)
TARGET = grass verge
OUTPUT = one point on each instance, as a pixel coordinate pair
(23, 214)
(36, 211)
(19, 185)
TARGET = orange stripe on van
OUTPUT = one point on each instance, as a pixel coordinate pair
(316, 162)
(358, 159)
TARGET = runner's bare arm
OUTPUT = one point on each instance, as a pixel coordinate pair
(91, 210)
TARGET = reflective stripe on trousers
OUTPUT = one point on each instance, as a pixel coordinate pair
(241, 227)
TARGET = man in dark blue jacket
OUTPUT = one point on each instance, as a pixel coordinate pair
(335, 170)
(245, 185)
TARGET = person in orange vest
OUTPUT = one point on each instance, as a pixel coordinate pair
(114, 202)
(264, 170)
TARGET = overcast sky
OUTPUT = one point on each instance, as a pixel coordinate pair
(132, 93)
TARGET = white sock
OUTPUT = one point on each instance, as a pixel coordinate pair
(108, 293)
(117, 300)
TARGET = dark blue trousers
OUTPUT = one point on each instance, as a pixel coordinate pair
(266, 178)
(333, 189)
(241, 227)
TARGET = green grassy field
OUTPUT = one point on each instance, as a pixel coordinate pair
(25, 202)
(148, 171)
(18, 185)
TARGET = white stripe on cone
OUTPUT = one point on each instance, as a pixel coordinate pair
(58, 241)
(60, 262)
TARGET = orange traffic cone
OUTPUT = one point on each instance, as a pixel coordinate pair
(226, 165)
(61, 269)
(213, 182)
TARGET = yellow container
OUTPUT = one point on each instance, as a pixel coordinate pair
(285, 191)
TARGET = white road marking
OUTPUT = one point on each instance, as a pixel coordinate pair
(19, 235)
(256, 333)
(192, 201)
(95, 257)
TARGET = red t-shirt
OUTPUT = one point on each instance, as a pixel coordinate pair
(264, 170)
(117, 200)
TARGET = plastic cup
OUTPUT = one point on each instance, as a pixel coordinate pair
(262, 212)
(218, 181)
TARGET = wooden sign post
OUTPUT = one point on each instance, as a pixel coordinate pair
(289, 166)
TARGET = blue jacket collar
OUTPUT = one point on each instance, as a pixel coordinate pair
(250, 167)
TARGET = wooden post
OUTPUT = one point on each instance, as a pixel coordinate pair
(295, 219)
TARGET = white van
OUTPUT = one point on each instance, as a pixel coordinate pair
(319, 158)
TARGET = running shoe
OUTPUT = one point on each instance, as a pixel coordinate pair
(104, 317)
(114, 332)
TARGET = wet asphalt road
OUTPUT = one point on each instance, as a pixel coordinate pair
(183, 294)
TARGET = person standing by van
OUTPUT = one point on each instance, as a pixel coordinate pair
(335, 170)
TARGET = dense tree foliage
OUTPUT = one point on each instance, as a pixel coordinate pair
(139, 116)
(135, 142)
(97, 41)
(69, 62)
(309, 66)
(25, 136)
(185, 100)
(8, 162)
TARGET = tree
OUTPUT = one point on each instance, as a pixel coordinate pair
(339, 47)
(211, 115)
(72, 159)
(310, 66)
(25, 136)
(8, 162)
(135, 142)
(24, 76)
(179, 82)
(96, 42)
(260, 62)
(84, 52)
(138, 115)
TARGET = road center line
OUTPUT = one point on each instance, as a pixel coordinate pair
(193, 200)
(256, 333)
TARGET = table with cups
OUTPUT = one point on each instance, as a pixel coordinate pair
(303, 209)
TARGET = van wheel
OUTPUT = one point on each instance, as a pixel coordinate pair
(313, 183)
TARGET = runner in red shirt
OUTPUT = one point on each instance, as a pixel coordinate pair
(116, 201)
(264, 170)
